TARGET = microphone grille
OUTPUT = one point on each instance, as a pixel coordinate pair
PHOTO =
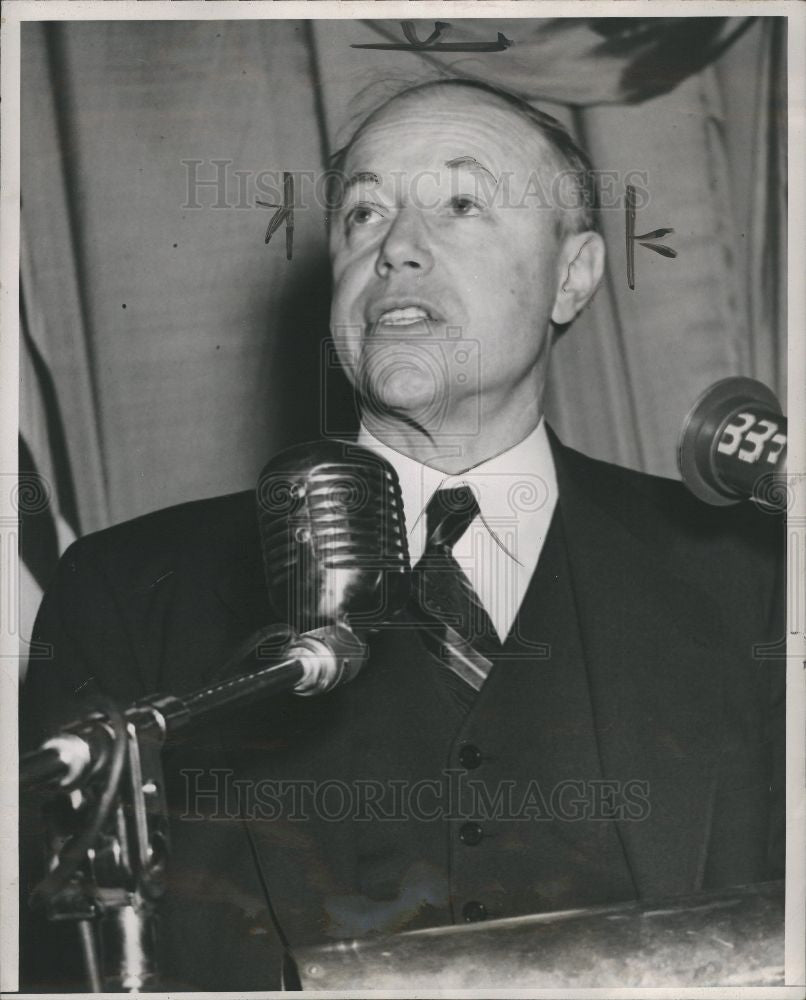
(333, 535)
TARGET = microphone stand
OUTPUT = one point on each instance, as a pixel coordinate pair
(108, 829)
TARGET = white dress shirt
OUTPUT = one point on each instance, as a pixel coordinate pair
(516, 493)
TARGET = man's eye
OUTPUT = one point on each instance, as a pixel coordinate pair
(463, 204)
(362, 215)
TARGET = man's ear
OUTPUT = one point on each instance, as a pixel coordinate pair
(581, 266)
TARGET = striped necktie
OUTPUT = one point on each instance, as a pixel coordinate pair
(457, 627)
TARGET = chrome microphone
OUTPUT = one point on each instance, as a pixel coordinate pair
(733, 443)
(333, 536)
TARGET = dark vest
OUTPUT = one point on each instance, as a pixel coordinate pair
(560, 848)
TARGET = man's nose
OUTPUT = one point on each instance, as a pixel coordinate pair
(405, 246)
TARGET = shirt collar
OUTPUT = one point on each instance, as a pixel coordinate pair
(519, 482)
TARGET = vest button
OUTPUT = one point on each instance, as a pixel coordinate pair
(470, 756)
(471, 834)
(474, 911)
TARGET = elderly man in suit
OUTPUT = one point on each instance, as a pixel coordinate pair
(618, 735)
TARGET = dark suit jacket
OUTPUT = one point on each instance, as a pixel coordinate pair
(663, 689)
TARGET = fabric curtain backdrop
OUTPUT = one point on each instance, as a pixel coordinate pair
(168, 351)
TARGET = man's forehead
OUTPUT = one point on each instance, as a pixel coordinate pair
(462, 127)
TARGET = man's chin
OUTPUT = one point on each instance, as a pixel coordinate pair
(400, 377)
(418, 399)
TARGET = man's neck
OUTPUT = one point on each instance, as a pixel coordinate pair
(452, 449)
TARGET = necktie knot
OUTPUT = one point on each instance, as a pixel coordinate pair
(448, 516)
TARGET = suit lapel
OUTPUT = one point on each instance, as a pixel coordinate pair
(653, 652)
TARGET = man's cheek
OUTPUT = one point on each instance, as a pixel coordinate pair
(531, 288)
(346, 292)
(351, 277)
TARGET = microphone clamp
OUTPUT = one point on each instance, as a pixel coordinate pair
(329, 656)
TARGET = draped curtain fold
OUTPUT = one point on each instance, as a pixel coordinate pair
(168, 351)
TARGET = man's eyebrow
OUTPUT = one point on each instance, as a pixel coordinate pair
(472, 162)
(362, 175)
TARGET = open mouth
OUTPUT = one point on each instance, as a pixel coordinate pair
(399, 311)
(404, 316)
